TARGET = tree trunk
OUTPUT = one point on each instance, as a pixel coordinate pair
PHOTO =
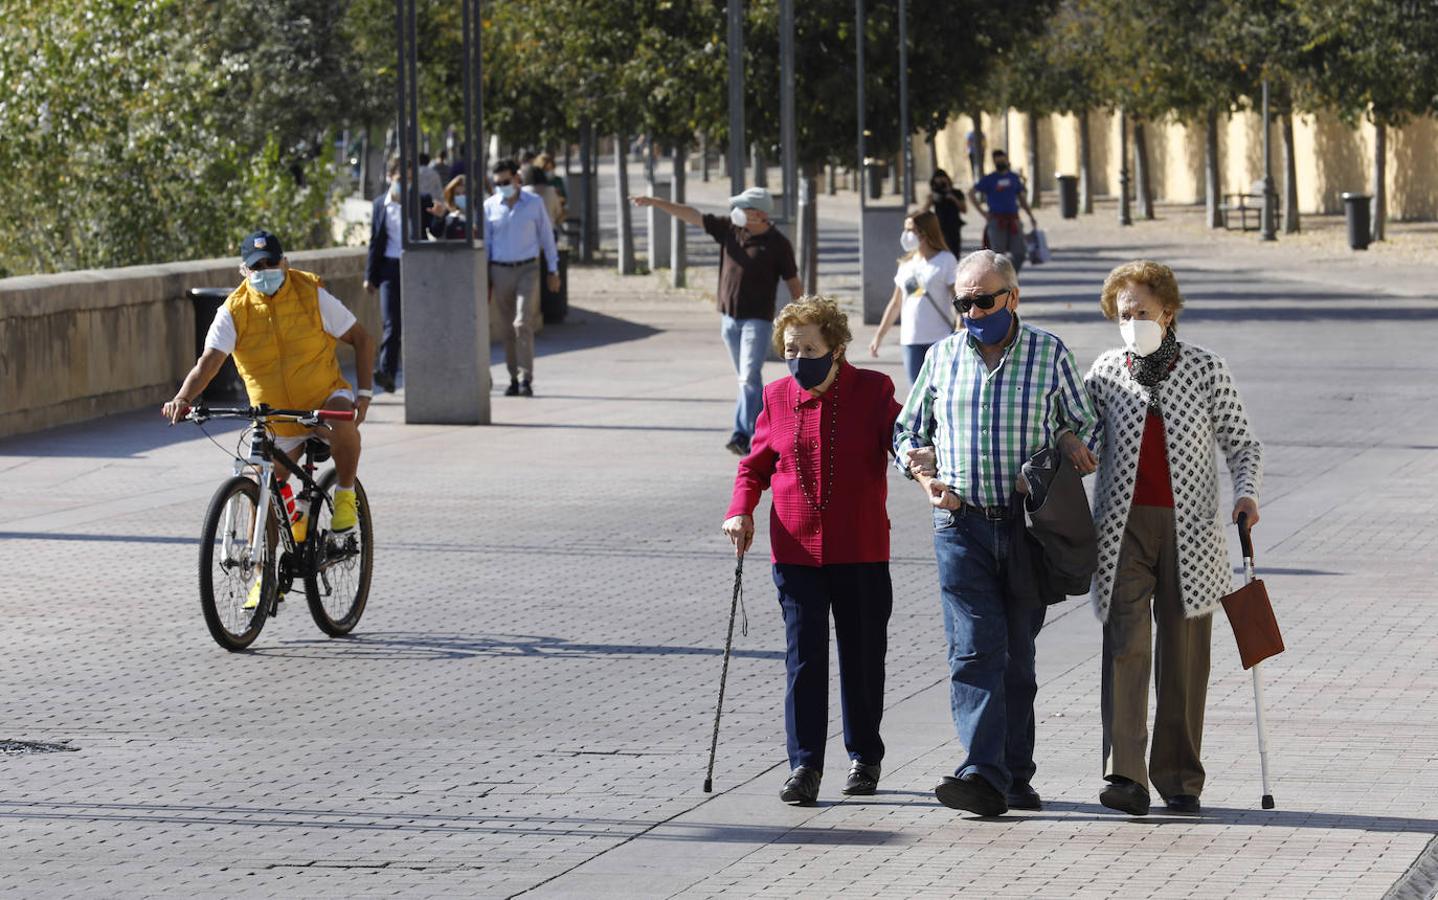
(933, 143)
(1032, 139)
(808, 229)
(1125, 216)
(1380, 180)
(1290, 178)
(761, 168)
(1141, 169)
(625, 220)
(976, 164)
(1085, 150)
(1211, 189)
(704, 156)
(833, 179)
(588, 227)
(678, 255)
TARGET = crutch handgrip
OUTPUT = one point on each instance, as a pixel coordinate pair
(1244, 538)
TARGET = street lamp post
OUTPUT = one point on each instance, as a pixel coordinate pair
(736, 96)
(904, 129)
(1124, 216)
(1269, 232)
(788, 149)
(859, 64)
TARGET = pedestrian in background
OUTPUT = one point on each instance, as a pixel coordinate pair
(429, 181)
(537, 182)
(1003, 195)
(822, 443)
(441, 167)
(546, 162)
(923, 292)
(975, 144)
(382, 268)
(517, 231)
(1163, 407)
(988, 398)
(754, 257)
(948, 204)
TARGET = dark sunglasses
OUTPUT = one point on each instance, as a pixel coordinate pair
(967, 302)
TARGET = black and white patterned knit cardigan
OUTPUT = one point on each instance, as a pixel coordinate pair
(1201, 409)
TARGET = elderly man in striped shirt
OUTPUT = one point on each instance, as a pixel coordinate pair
(988, 397)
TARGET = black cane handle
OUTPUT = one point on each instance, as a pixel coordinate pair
(1244, 538)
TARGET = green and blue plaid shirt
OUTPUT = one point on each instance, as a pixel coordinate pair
(984, 425)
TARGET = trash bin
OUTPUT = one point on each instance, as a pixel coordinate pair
(226, 386)
(554, 305)
(877, 170)
(1360, 227)
(1068, 196)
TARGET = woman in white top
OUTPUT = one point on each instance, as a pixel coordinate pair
(923, 292)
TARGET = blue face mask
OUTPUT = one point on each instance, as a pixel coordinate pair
(991, 329)
(267, 281)
(811, 372)
(461, 202)
(507, 190)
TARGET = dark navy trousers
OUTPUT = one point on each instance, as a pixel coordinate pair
(389, 304)
(860, 598)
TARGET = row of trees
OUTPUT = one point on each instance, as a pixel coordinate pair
(1199, 60)
(146, 130)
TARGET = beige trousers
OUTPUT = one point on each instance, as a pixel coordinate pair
(516, 302)
(1147, 590)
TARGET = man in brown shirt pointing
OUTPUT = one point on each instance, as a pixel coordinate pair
(754, 257)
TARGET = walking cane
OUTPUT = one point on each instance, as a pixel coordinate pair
(734, 606)
(1246, 541)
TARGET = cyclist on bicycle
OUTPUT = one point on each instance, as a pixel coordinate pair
(282, 327)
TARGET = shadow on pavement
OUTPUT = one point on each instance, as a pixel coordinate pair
(584, 329)
(121, 436)
(400, 645)
(1223, 816)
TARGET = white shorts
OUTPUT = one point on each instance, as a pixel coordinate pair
(290, 444)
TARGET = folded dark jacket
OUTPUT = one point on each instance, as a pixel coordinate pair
(1053, 548)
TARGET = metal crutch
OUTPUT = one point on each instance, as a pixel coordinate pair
(1246, 540)
(734, 607)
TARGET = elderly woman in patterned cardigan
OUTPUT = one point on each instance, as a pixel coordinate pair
(1163, 405)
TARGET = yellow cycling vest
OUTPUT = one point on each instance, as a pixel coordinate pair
(282, 349)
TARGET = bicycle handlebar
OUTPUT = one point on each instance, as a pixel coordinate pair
(264, 413)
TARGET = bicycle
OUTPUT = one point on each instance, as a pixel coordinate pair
(242, 540)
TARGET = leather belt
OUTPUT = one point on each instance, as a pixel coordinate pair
(510, 265)
(992, 513)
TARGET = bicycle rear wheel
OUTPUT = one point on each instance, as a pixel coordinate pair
(337, 583)
(226, 574)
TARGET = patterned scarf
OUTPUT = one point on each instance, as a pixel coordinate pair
(1154, 368)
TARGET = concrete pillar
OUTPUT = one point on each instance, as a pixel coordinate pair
(446, 334)
(658, 225)
(878, 248)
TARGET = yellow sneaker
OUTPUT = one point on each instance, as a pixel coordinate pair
(346, 511)
(254, 599)
(300, 527)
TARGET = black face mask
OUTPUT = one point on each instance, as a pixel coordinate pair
(810, 373)
(1002, 167)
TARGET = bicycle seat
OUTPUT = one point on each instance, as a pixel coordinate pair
(318, 450)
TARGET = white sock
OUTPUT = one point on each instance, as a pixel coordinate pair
(341, 487)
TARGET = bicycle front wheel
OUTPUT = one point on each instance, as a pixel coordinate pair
(228, 576)
(337, 582)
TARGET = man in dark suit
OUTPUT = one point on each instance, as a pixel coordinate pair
(382, 268)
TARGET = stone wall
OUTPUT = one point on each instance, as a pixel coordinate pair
(77, 345)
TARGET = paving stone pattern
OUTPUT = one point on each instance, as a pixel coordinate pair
(526, 707)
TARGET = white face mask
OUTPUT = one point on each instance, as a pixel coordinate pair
(1141, 336)
(909, 241)
(738, 217)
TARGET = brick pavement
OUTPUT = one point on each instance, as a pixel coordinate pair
(526, 708)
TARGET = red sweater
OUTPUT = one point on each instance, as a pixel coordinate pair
(854, 525)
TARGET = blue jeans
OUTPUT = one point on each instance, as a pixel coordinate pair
(748, 342)
(991, 649)
(914, 359)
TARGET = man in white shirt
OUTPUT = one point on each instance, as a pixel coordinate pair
(516, 230)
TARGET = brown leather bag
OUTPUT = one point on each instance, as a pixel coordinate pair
(1250, 613)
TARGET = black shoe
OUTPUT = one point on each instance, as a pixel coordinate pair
(1126, 796)
(512, 390)
(802, 788)
(1023, 796)
(525, 390)
(971, 793)
(738, 445)
(863, 780)
(384, 381)
(1183, 805)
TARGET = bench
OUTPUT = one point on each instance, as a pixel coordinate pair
(1243, 204)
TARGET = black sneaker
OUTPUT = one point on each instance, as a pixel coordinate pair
(384, 381)
(863, 780)
(737, 445)
(1126, 796)
(802, 788)
(512, 390)
(971, 793)
(525, 390)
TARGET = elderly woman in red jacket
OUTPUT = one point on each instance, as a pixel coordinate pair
(821, 442)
